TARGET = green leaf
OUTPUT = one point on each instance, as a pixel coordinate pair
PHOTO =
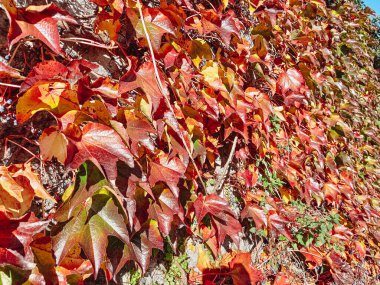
(89, 179)
(92, 222)
(5, 279)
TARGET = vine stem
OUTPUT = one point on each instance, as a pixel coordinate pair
(20, 146)
(223, 175)
(303, 251)
(10, 85)
(14, 53)
(162, 89)
(87, 42)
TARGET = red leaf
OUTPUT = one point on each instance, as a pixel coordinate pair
(313, 256)
(164, 209)
(312, 188)
(8, 72)
(46, 70)
(261, 101)
(223, 218)
(292, 80)
(341, 271)
(12, 257)
(229, 25)
(141, 245)
(281, 279)
(278, 224)
(257, 214)
(37, 21)
(360, 249)
(332, 192)
(15, 238)
(157, 24)
(118, 5)
(146, 80)
(168, 171)
(51, 69)
(250, 177)
(139, 130)
(104, 147)
(213, 205)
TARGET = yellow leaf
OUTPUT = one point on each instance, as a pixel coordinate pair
(286, 195)
(51, 96)
(5, 279)
(14, 199)
(146, 108)
(111, 26)
(7, 184)
(211, 76)
(97, 109)
(68, 192)
(198, 51)
(204, 258)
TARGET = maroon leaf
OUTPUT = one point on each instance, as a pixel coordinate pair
(16, 236)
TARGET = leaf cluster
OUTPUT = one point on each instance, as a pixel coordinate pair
(224, 116)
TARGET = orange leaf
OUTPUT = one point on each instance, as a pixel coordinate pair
(242, 270)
